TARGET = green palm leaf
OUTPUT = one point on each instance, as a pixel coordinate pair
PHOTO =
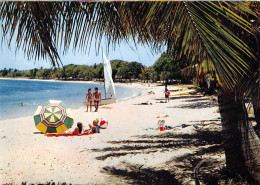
(202, 32)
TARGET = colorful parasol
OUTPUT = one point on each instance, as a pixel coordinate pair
(53, 117)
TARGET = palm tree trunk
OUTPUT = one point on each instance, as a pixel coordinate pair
(241, 144)
(257, 112)
(229, 111)
(257, 105)
(256, 99)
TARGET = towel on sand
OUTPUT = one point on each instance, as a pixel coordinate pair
(66, 135)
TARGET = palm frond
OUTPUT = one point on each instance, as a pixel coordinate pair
(202, 32)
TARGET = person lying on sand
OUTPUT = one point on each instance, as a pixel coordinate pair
(78, 130)
(161, 102)
(162, 116)
(95, 128)
(144, 103)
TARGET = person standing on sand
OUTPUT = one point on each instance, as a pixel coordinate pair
(89, 98)
(97, 98)
(167, 93)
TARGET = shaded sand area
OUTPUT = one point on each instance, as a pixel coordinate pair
(130, 151)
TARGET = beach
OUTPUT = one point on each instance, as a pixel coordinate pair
(130, 144)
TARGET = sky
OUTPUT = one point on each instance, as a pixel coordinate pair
(125, 51)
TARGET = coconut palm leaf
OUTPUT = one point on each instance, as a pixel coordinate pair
(34, 28)
(205, 35)
(203, 32)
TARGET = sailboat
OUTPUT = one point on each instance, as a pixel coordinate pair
(109, 88)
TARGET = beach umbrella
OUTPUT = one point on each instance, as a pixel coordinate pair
(53, 117)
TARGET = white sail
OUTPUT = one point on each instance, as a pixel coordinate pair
(108, 80)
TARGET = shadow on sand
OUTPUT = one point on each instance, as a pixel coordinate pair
(198, 105)
(203, 144)
(181, 97)
(135, 174)
(48, 183)
(195, 100)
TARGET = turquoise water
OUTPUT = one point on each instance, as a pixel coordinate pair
(33, 93)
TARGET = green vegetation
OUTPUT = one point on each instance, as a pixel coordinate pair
(164, 69)
(168, 68)
(121, 70)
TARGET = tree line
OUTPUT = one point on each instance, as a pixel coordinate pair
(165, 69)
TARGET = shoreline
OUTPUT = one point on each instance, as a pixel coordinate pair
(85, 159)
(76, 109)
(50, 80)
(76, 81)
(140, 87)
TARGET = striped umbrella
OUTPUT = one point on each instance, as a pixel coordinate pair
(53, 117)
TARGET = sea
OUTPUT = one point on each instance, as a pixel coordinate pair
(35, 92)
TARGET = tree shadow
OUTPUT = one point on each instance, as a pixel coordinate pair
(203, 136)
(47, 183)
(166, 142)
(180, 97)
(207, 120)
(198, 105)
(135, 174)
(117, 154)
(195, 100)
(174, 90)
(145, 147)
(204, 143)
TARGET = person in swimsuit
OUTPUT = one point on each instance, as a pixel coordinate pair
(78, 130)
(97, 98)
(95, 128)
(89, 98)
(166, 92)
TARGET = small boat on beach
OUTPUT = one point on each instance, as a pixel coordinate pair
(109, 88)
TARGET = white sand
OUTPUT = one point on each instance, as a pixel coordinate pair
(35, 158)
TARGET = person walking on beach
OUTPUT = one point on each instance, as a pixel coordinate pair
(167, 93)
(97, 98)
(89, 98)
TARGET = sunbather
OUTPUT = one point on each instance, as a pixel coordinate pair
(95, 128)
(78, 130)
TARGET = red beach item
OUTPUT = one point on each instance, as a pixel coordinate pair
(67, 135)
(103, 123)
(162, 128)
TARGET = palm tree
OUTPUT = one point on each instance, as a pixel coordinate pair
(207, 33)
